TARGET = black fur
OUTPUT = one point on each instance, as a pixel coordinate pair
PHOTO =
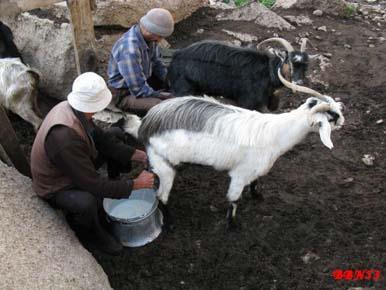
(7, 46)
(312, 103)
(244, 75)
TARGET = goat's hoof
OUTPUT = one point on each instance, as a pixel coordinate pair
(233, 227)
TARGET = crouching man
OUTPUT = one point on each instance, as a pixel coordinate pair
(65, 158)
(137, 77)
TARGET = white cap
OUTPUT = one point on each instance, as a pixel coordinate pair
(90, 93)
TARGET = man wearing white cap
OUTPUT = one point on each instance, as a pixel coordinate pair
(65, 156)
(136, 74)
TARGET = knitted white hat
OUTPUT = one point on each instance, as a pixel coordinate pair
(158, 21)
(90, 93)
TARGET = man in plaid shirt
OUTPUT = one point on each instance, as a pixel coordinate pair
(136, 74)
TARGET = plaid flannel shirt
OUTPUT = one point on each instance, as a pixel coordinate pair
(132, 61)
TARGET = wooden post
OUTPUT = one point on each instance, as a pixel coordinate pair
(93, 5)
(8, 140)
(83, 35)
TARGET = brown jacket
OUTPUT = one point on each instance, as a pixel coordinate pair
(76, 152)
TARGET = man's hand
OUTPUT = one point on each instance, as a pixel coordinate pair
(140, 156)
(165, 95)
(144, 180)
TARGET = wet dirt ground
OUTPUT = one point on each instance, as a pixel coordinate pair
(324, 210)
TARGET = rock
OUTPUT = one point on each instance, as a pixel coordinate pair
(368, 159)
(254, 11)
(37, 248)
(332, 7)
(241, 36)
(127, 12)
(48, 47)
(310, 257)
(348, 180)
(324, 62)
(285, 4)
(317, 12)
(200, 31)
(322, 28)
(219, 4)
(369, 9)
(348, 46)
(298, 20)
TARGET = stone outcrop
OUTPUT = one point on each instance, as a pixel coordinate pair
(258, 13)
(37, 248)
(127, 12)
(47, 46)
(333, 7)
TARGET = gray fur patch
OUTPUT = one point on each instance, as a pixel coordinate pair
(188, 113)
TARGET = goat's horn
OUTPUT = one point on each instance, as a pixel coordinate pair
(295, 87)
(323, 107)
(303, 45)
(279, 40)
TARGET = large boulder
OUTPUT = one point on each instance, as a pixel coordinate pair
(47, 46)
(334, 7)
(127, 12)
(254, 11)
(37, 248)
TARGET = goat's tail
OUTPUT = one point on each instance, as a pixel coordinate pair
(35, 79)
(131, 124)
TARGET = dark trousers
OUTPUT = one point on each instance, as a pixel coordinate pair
(83, 210)
(137, 105)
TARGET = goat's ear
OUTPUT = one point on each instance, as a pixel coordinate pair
(324, 130)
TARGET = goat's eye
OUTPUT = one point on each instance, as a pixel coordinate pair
(312, 103)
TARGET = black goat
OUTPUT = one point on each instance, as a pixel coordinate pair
(7, 46)
(246, 76)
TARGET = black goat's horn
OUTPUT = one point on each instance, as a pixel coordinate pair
(302, 89)
(288, 47)
(303, 45)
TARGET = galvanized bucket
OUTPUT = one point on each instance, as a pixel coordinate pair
(137, 220)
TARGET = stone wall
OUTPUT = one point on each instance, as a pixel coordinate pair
(37, 248)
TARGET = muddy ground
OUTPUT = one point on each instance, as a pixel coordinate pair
(327, 204)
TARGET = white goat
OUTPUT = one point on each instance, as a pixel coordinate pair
(243, 142)
(18, 90)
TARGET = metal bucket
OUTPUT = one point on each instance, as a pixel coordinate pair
(137, 220)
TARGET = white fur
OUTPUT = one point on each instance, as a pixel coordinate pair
(113, 115)
(245, 143)
(18, 89)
